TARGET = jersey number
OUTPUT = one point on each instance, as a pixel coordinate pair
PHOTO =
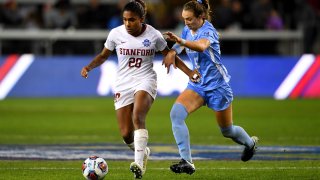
(135, 62)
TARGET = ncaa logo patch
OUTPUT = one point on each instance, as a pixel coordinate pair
(146, 43)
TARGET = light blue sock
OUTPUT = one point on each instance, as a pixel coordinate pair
(238, 135)
(180, 130)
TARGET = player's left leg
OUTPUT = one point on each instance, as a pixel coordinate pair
(220, 100)
(142, 104)
(236, 133)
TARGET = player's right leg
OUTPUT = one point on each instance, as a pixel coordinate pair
(183, 167)
(180, 130)
(187, 102)
(124, 117)
(123, 102)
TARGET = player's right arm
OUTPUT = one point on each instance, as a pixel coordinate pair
(97, 61)
(199, 45)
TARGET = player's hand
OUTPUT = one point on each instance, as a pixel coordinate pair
(195, 76)
(169, 59)
(84, 72)
(172, 37)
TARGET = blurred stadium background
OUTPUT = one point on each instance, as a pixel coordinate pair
(278, 27)
(270, 47)
(279, 38)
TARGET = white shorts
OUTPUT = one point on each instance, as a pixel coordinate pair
(125, 97)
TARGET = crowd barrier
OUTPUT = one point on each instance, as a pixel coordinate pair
(252, 76)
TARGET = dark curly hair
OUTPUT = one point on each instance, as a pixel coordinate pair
(137, 6)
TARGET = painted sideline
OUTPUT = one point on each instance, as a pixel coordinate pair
(158, 152)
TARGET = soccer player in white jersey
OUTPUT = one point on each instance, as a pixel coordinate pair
(136, 85)
(201, 42)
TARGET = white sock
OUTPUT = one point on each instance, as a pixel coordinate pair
(140, 144)
(131, 145)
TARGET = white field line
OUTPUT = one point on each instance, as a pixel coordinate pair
(221, 168)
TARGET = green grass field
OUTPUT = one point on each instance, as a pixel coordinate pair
(158, 170)
(92, 120)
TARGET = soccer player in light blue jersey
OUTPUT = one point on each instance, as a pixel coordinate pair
(201, 41)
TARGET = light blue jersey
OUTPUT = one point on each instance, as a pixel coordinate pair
(213, 86)
(216, 93)
(213, 72)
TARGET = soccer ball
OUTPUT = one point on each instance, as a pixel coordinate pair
(94, 168)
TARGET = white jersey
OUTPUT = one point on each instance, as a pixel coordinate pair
(135, 55)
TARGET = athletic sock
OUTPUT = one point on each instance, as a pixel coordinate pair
(238, 135)
(180, 130)
(140, 144)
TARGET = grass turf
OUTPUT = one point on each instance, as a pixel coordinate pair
(92, 120)
(158, 170)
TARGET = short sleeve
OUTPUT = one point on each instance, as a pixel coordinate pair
(161, 43)
(110, 43)
(209, 34)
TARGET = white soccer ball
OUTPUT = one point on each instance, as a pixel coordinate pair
(94, 168)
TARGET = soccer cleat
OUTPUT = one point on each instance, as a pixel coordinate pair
(248, 153)
(137, 170)
(183, 167)
(145, 159)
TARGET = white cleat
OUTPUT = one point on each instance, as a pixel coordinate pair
(137, 170)
(145, 159)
